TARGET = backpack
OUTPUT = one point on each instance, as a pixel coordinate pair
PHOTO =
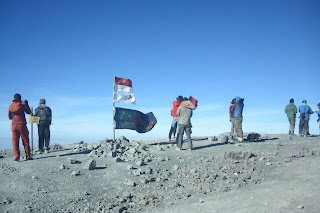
(45, 114)
(15, 108)
(193, 101)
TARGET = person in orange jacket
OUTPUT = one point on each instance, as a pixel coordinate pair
(16, 113)
(175, 117)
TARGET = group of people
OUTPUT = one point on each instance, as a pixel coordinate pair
(305, 113)
(181, 117)
(16, 114)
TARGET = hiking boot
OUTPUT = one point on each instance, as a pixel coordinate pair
(29, 158)
(178, 149)
(46, 151)
(190, 149)
(240, 139)
(40, 152)
(16, 159)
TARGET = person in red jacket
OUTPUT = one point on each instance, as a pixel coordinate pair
(175, 117)
(19, 126)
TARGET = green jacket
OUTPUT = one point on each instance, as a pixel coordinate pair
(291, 110)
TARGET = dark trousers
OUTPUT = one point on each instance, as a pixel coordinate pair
(20, 130)
(187, 130)
(173, 128)
(303, 126)
(44, 136)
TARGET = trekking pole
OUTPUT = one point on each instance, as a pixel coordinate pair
(31, 133)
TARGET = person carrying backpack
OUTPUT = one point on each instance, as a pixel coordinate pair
(291, 111)
(175, 117)
(231, 110)
(236, 112)
(19, 126)
(305, 112)
(45, 115)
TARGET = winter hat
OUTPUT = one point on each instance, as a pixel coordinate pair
(304, 101)
(42, 101)
(291, 100)
(17, 97)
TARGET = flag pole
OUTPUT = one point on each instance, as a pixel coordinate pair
(114, 123)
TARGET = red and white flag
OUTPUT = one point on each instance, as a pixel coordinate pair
(123, 92)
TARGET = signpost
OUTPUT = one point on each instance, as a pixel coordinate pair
(32, 120)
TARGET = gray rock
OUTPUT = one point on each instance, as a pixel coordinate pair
(62, 167)
(130, 183)
(90, 165)
(72, 161)
(223, 138)
(140, 163)
(75, 173)
(238, 155)
(175, 167)
(287, 160)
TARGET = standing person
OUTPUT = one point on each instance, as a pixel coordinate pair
(305, 112)
(318, 112)
(45, 115)
(237, 114)
(19, 126)
(231, 109)
(185, 113)
(175, 117)
(291, 111)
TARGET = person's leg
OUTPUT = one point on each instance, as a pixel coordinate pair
(306, 127)
(25, 140)
(232, 127)
(41, 138)
(15, 141)
(180, 134)
(173, 127)
(46, 137)
(240, 128)
(188, 133)
(293, 125)
(300, 126)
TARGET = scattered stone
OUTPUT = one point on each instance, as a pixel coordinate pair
(75, 173)
(238, 155)
(175, 167)
(73, 161)
(130, 183)
(268, 163)
(287, 160)
(300, 207)
(90, 165)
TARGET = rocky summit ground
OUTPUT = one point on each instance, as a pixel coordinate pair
(274, 174)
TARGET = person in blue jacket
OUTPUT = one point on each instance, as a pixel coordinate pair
(305, 112)
(236, 113)
(318, 112)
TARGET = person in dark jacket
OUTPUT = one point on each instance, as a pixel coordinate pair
(291, 111)
(236, 112)
(16, 113)
(175, 117)
(45, 115)
(305, 112)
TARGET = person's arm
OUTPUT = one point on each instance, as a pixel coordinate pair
(10, 115)
(295, 110)
(179, 111)
(26, 107)
(310, 110)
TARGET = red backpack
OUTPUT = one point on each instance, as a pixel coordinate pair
(193, 101)
(15, 107)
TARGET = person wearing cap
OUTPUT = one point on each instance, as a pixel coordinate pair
(237, 114)
(175, 117)
(305, 112)
(45, 115)
(318, 112)
(291, 111)
(16, 114)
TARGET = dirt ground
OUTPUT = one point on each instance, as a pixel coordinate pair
(275, 174)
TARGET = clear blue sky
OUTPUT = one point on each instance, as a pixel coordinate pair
(69, 51)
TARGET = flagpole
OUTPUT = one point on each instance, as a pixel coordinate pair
(114, 123)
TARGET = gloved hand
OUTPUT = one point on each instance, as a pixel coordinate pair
(25, 102)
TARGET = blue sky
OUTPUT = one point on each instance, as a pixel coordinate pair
(69, 51)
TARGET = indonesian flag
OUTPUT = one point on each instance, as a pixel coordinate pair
(123, 92)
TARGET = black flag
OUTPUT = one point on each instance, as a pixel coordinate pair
(135, 120)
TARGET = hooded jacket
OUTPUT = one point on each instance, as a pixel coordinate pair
(19, 116)
(175, 104)
(291, 110)
(44, 113)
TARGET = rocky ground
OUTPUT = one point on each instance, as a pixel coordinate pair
(273, 174)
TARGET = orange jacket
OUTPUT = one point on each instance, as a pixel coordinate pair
(19, 116)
